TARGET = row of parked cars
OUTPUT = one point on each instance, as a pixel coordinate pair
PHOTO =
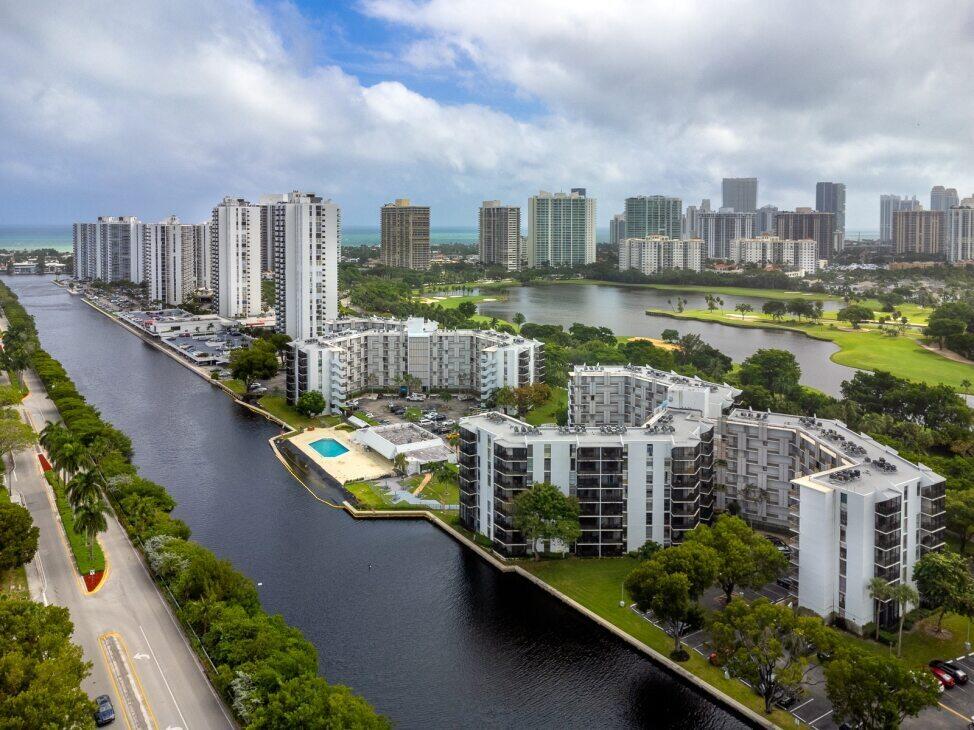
(948, 673)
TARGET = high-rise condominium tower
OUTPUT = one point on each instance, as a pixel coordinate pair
(764, 219)
(803, 224)
(168, 251)
(654, 215)
(202, 258)
(919, 231)
(235, 257)
(500, 235)
(617, 229)
(889, 204)
(830, 198)
(960, 231)
(740, 194)
(307, 248)
(109, 249)
(405, 235)
(719, 228)
(561, 229)
(267, 203)
(942, 198)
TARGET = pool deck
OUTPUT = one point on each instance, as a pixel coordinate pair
(357, 463)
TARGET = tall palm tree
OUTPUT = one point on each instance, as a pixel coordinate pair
(89, 519)
(879, 590)
(71, 456)
(904, 595)
(52, 434)
(85, 487)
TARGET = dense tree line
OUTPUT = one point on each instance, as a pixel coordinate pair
(266, 669)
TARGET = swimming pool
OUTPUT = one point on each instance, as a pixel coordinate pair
(328, 447)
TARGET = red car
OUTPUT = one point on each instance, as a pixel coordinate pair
(945, 679)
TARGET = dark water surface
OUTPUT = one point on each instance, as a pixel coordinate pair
(431, 635)
(623, 310)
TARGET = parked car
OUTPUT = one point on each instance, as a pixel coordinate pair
(787, 699)
(105, 712)
(945, 679)
(957, 674)
(416, 397)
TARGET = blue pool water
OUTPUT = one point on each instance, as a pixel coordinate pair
(328, 447)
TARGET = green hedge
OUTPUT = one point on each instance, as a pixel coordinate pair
(266, 669)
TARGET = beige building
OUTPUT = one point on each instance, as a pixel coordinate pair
(919, 231)
(500, 235)
(653, 254)
(405, 235)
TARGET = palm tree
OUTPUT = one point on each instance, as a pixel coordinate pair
(71, 457)
(399, 464)
(904, 595)
(879, 590)
(89, 519)
(85, 487)
(52, 434)
(519, 319)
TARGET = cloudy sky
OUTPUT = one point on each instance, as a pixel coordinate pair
(156, 108)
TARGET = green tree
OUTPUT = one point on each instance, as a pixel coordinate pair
(9, 395)
(310, 702)
(544, 513)
(89, 520)
(767, 645)
(310, 403)
(879, 591)
(18, 536)
(744, 308)
(399, 463)
(960, 515)
(746, 559)
(776, 370)
(670, 584)
(467, 309)
(257, 362)
(943, 328)
(854, 314)
(801, 308)
(944, 582)
(85, 486)
(519, 319)
(905, 596)
(776, 309)
(41, 669)
(671, 336)
(15, 435)
(875, 692)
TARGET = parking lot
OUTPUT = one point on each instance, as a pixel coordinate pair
(449, 410)
(956, 703)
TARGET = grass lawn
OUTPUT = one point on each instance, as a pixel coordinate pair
(866, 349)
(444, 491)
(368, 494)
(278, 406)
(597, 585)
(920, 645)
(454, 302)
(236, 386)
(546, 413)
(78, 543)
(370, 421)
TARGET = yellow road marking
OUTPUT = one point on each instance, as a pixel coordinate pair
(132, 670)
(111, 676)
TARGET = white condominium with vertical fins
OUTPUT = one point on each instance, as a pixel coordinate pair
(561, 229)
(235, 257)
(307, 247)
(168, 251)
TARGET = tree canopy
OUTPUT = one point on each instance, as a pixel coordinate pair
(776, 370)
(257, 362)
(944, 581)
(544, 513)
(18, 536)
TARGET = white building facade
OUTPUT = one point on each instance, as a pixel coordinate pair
(772, 250)
(357, 354)
(653, 254)
(561, 229)
(960, 231)
(168, 251)
(109, 249)
(307, 248)
(235, 258)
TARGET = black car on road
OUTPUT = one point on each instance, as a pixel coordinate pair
(105, 714)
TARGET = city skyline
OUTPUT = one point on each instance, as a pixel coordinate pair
(368, 102)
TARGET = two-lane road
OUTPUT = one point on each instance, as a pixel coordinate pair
(140, 656)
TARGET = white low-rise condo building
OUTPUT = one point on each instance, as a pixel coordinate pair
(633, 484)
(359, 354)
(650, 455)
(653, 254)
(771, 250)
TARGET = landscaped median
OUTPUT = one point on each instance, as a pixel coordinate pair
(90, 567)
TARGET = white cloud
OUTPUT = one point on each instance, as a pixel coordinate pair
(151, 108)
